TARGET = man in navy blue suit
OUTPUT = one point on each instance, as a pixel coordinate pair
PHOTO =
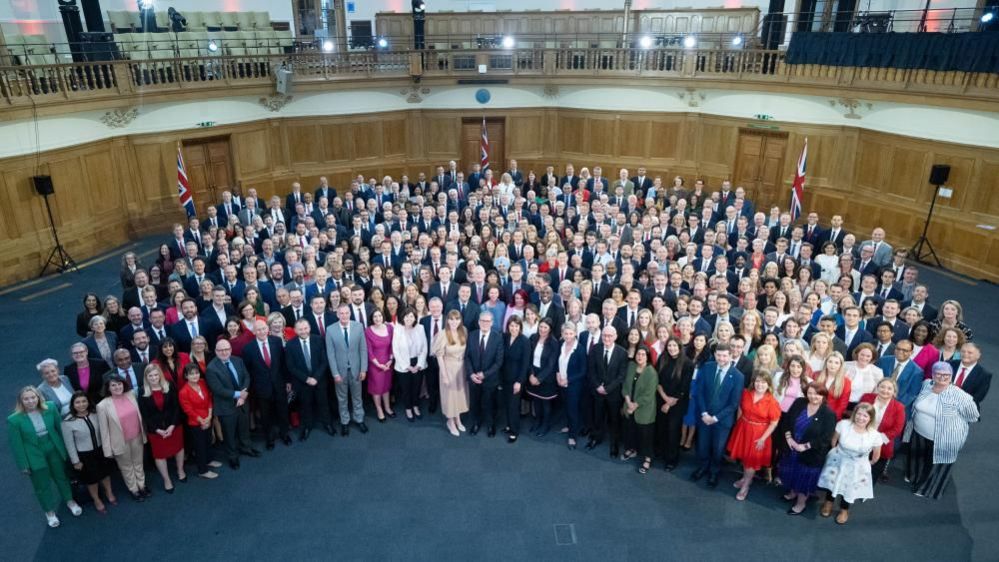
(719, 388)
(483, 357)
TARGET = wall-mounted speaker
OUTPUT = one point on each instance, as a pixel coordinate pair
(939, 174)
(43, 185)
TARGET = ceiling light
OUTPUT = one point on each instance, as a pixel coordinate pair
(737, 40)
(645, 42)
(328, 46)
(508, 42)
(690, 41)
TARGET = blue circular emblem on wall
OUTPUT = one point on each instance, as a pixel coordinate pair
(482, 95)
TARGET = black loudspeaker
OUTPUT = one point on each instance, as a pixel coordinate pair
(939, 174)
(43, 185)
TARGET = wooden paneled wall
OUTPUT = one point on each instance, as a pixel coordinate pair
(111, 191)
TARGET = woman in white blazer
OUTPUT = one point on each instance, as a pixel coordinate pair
(409, 348)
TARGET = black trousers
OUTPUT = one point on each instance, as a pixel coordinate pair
(409, 388)
(236, 432)
(314, 402)
(482, 402)
(668, 430)
(640, 437)
(432, 376)
(200, 441)
(607, 417)
(510, 403)
(274, 413)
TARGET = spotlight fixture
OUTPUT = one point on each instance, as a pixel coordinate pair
(988, 17)
(645, 42)
(689, 42)
(328, 46)
(419, 6)
(737, 41)
(508, 42)
(382, 43)
(146, 4)
(213, 46)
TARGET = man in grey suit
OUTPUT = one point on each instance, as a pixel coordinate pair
(882, 250)
(348, 358)
(229, 382)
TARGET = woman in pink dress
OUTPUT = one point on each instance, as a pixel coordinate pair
(379, 339)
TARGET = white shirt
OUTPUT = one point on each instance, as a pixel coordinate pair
(538, 349)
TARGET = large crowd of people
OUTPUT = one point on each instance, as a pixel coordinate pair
(640, 317)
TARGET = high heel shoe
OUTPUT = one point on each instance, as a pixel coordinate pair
(453, 430)
(461, 428)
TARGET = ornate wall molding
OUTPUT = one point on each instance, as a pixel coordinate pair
(119, 118)
(275, 102)
(852, 105)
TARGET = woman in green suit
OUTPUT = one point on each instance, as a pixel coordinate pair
(35, 438)
(639, 390)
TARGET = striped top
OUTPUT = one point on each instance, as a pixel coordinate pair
(955, 409)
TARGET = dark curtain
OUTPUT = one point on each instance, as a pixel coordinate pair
(968, 52)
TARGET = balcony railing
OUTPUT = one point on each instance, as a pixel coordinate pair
(55, 83)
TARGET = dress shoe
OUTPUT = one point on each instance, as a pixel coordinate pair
(234, 465)
(826, 509)
(146, 493)
(713, 481)
(392, 415)
(506, 430)
(419, 415)
(590, 445)
(270, 446)
(381, 420)
(491, 432)
(791, 511)
(411, 419)
(475, 429)
(842, 517)
(697, 475)
(250, 452)
(614, 452)
(286, 440)
(182, 480)
(670, 467)
(304, 435)
(137, 496)
(344, 430)
(362, 427)
(331, 430)
(168, 490)
(571, 445)
(511, 438)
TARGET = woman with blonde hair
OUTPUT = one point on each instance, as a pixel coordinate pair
(751, 328)
(750, 442)
(856, 445)
(951, 315)
(449, 349)
(821, 349)
(160, 409)
(833, 377)
(766, 360)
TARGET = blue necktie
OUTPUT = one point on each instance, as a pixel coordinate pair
(232, 371)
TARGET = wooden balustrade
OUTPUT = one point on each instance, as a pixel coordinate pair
(58, 83)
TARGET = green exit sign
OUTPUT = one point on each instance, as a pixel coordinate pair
(204, 124)
(764, 117)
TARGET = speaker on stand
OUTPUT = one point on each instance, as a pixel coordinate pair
(923, 248)
(59, 259)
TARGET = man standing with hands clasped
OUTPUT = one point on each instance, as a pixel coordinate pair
(719, 389)
(229, 380)
(348, 357)
(483, 358)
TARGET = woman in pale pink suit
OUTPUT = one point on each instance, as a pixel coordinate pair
(379, 339)
(449, 349)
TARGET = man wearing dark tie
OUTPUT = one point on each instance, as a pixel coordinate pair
(483, 358)
(229, 382)
(719, 389)
(970, 376)
(306, 359)
(264, 358)
(605, 370)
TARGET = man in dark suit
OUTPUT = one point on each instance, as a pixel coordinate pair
(229, 382)
(319, 317)
(227, 208)
(296, 308)
(433, 324)
(741, 362)
(189, 326)
(517, 283)
(605, 369)
(305, 357)
(483, 358)
(466, 306)
(445, 289)
(889, 315)
(970, 376)
(813, 232)
(548, 308)
(908, 376)
(324, 190)
(835, 234)
(360, 309)
(851, 333)
(143, 350)
(264, 358)
(642, 182)
(719, 389)
(132, 372)
(294, 198)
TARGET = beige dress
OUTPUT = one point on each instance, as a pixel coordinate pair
(454, 389)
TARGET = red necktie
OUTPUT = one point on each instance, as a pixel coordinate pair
(322, 329)
(267, 354)
(960, 377)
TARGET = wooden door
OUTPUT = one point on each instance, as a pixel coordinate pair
(471, 135)
(759, 167)
(209, 169)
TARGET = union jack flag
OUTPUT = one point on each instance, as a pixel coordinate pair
(183, 187)
(798, 187)
(484, 148)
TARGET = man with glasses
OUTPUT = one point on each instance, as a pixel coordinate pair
(906, 374)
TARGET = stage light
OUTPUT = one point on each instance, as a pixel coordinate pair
(382, 43)
(213, 46)
(988, 16)
(328, 46)
(737, 41)
(645, 42)
(508, 42)
(690, 41)
(146, 4)
(419, 5)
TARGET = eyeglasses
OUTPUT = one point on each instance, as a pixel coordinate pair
(905, 349)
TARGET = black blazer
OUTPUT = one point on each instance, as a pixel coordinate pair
(818, 434)
(266, 382)
(94, 386)
(976, 383)
(295, 359)
(549, 366)
(676, 387)
(489, 361)
(155, 418)
(516, 360)
(612, 375)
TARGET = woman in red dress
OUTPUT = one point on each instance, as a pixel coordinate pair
(237, 335)
(759, 413)
(161, 415)
(889, 414)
